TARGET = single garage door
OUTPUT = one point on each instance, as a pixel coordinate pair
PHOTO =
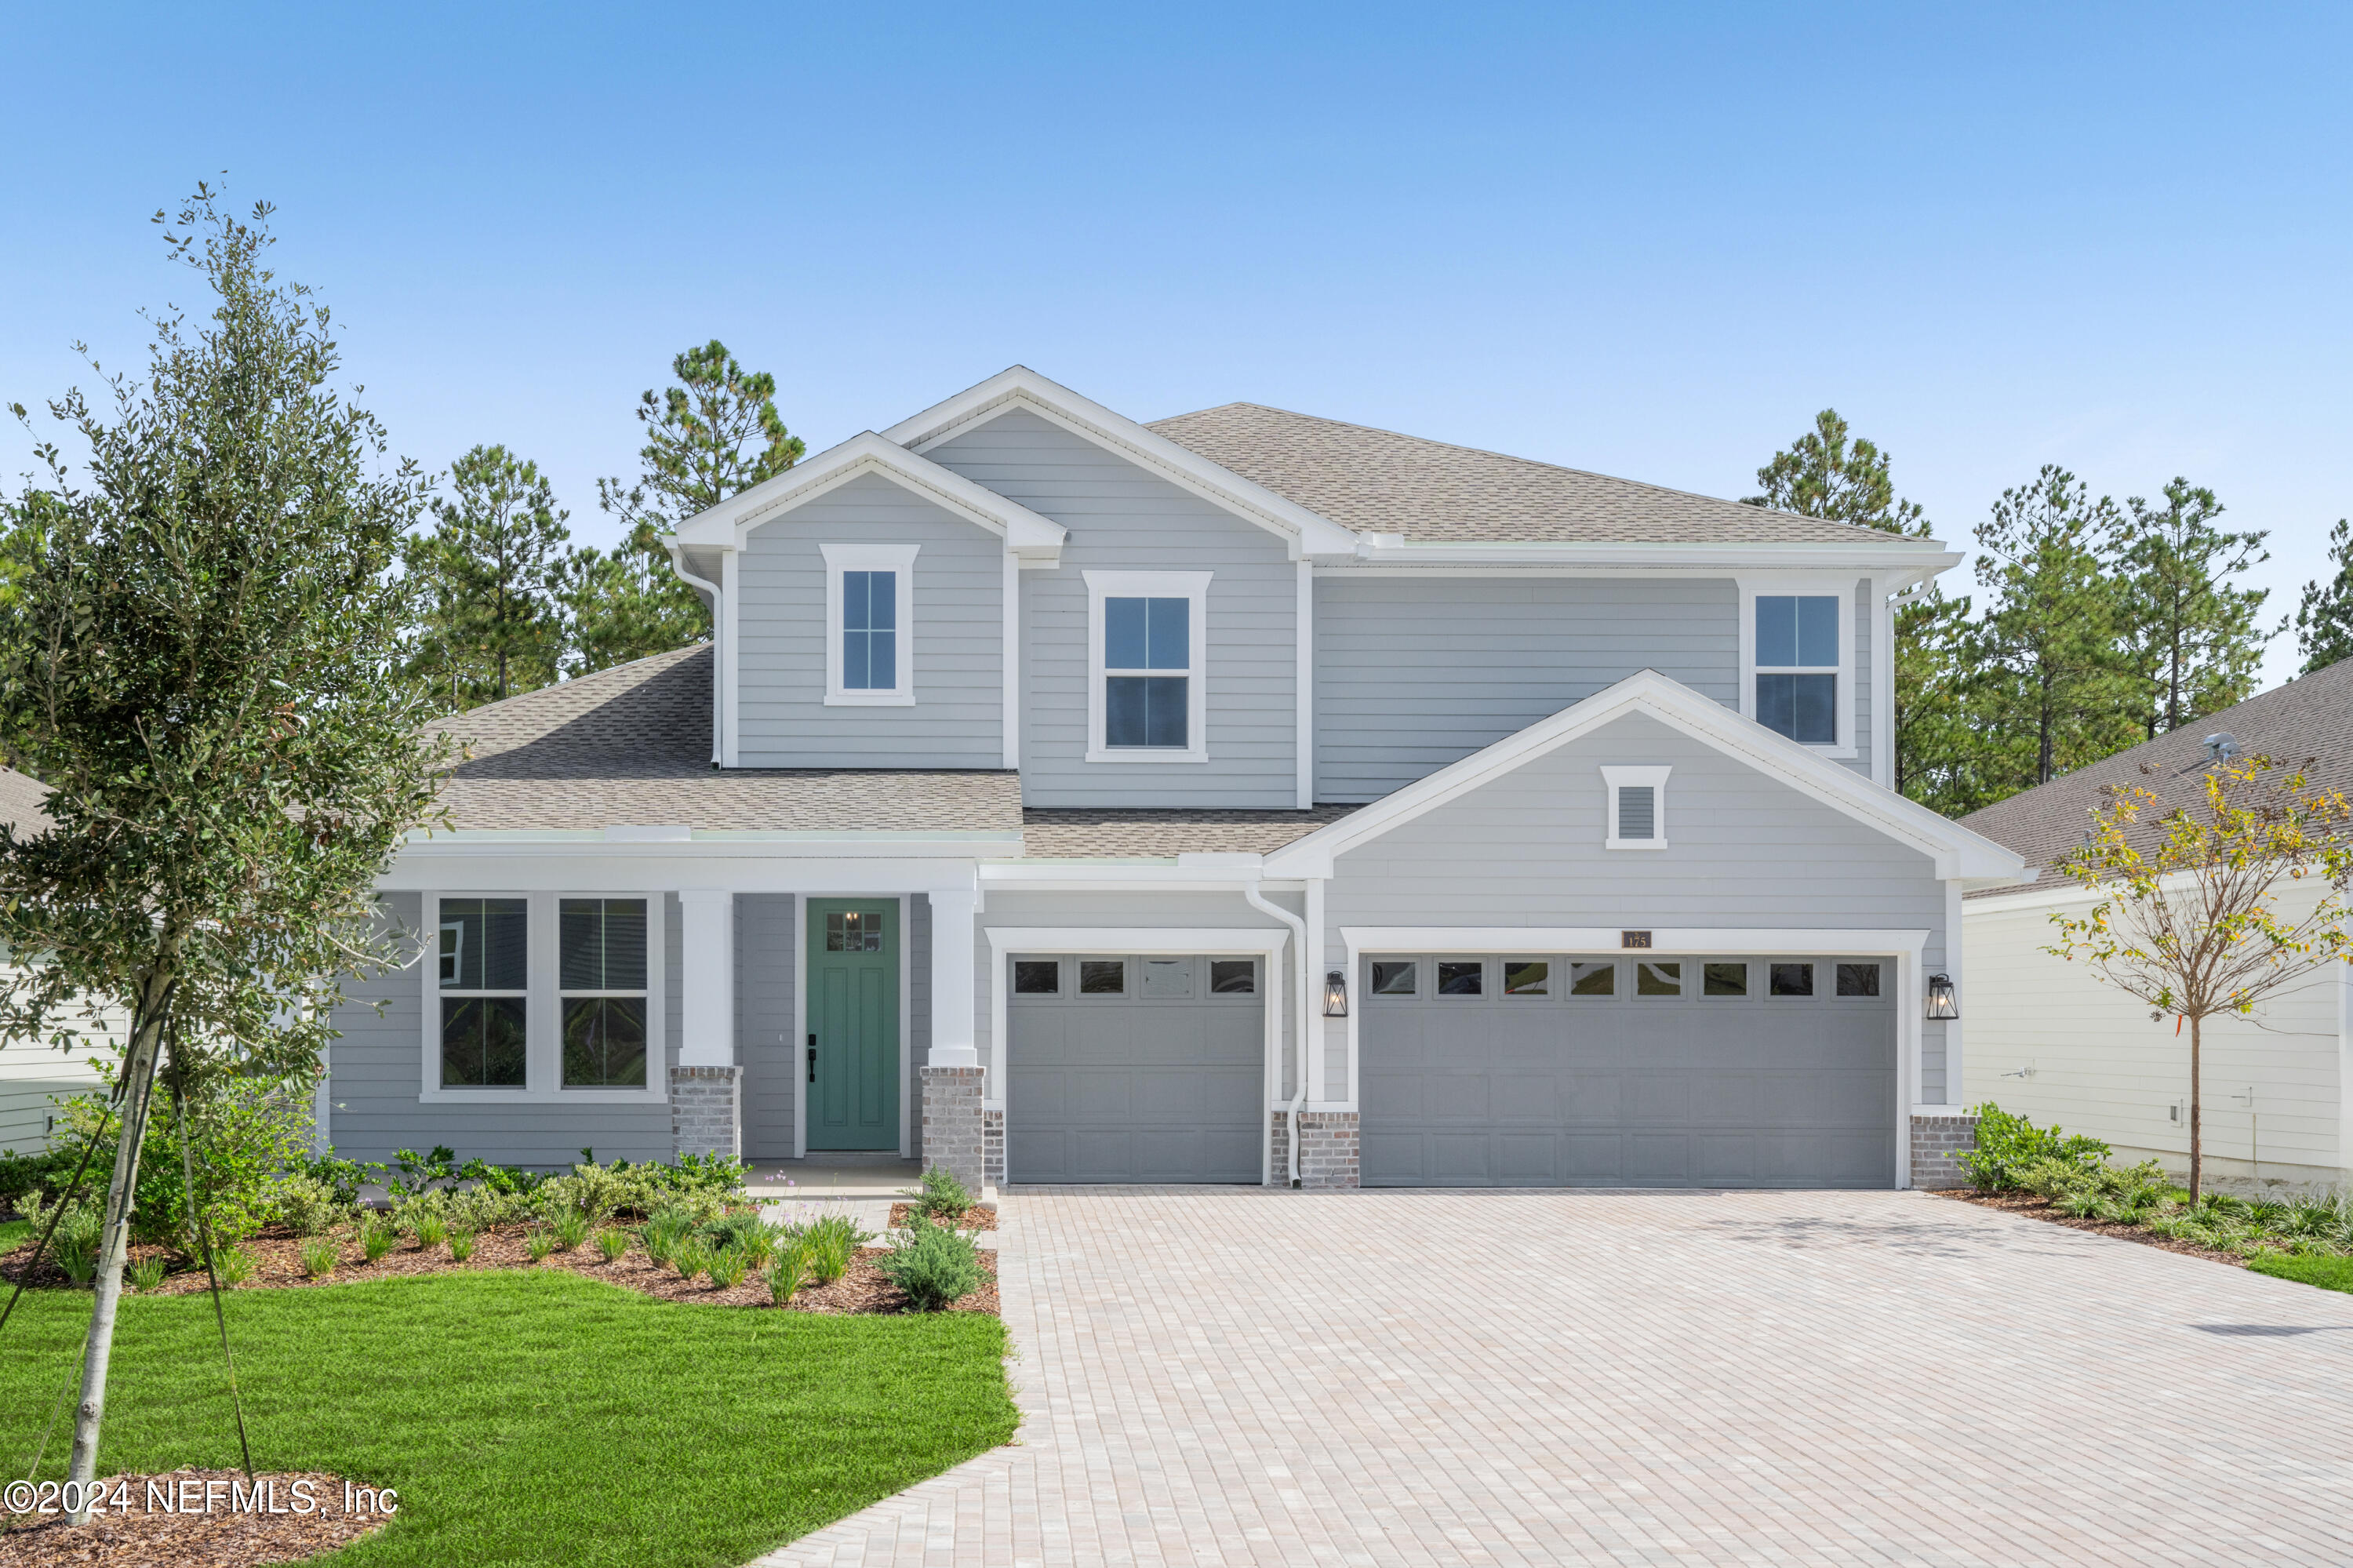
(1135, 1069)
(1609, 1070)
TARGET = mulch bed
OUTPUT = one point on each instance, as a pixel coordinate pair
(2035, 1208)
(973, 1219)
(279, 1266)
(136, 1536)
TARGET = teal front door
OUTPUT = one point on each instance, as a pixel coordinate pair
(853, 1023)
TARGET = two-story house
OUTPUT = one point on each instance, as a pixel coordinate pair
(1246, 796)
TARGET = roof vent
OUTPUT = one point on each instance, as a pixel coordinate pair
(2220, 747)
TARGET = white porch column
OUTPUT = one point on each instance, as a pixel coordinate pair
(707, 1037)
(954, 916)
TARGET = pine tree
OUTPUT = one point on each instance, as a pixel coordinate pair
(716, 436)
(2190, 639)
(1825, 474)
(2324, 622)
(489, 581)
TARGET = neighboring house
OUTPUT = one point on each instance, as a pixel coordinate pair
(33, 1072)
(1069, 800)
(2051, 1042)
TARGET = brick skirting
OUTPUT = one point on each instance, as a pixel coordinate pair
(1938, 1144)
(956, 1136)
(1327, 1149)
(706, 1112)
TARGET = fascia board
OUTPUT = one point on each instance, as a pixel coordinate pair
(1024, 530)
(1956, 851)
(1900, 561)
(1312, 533)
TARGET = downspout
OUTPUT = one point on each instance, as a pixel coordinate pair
(718, 675)
(1299, 1034)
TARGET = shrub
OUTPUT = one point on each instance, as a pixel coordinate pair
(462, 1245)
(251, 1135)
(307, 1206)
(146, 1274)
(571, 1229)
(22, 1175)
(2084, 1203)
(319, 1257)
(235, 1265)
(612, 1245)
(932, 1266)
(343, 1177)
(941, 1196)
(692, 1258)
(539, 1243)
(832, 1242)
(430, 1231)
(2006, 1143)
(668, 1230)
(414, 1174)
(377, 1237)
(662, 1248)
(788, 1272)
(726, 1268)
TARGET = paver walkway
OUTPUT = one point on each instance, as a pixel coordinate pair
(1228, 1376)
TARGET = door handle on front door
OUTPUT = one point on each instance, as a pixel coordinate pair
(812, 1059)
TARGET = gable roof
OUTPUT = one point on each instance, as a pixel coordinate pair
(1956, 850)
(1434, 493)
(20, 801)
(1019, 387)
(2310, 718)
(1025, 532)
(630, 747)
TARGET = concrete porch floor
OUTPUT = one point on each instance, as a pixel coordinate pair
(832, 1176)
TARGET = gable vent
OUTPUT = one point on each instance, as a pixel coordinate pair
(1638, 811)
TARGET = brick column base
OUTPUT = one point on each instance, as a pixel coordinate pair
(955, 1125)
(1938, 1144)
(1327, 1149)
(706, 1111)
(992, 1143)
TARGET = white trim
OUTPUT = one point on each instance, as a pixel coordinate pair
(1808, 585)
(723, 646)
(906, 1021)
(1387, 555)
(1191, 587)
(730, 524)
(1955, 850)
(1010, 661)
(1615, 779)
(1956, 1080)
(800, 1026)
(1260, 942)
(900, 559)
(1883, 687)
(1314, 1054)
(1304, 685)
(543, 1007)
(1018, 386)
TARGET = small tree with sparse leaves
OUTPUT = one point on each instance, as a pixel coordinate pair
(203, 660)
(2189, 869)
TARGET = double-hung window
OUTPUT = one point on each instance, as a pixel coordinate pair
(1146, 631)
(485, 984)
(601, 958)
(870, 601)
(1797, 644)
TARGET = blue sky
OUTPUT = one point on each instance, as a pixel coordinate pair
(1650, 240)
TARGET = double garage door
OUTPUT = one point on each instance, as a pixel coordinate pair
(1136, 1069)
(1616, 1070)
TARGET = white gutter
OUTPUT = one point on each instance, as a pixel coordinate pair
(718, 654)
(1299, 1030)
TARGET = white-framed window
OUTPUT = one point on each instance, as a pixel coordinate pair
(1797, 655)
(870, 620)
(544, 996)
(1147, 655)
(1637, 807)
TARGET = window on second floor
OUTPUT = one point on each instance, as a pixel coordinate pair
(1146, 702)
(1798, 666)
(870, 599)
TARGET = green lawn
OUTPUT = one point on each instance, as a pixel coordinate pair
(534, 1416)
(14, 1231)
(2328, 1273)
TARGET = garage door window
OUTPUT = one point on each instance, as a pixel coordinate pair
(1593, 979)
(1394, 978)
(1233, 977)
(1102, 977)
(1724, 980)
(1528, 976)
(1858, 979)
(1460, 978)
(1036, 977)
(1793, 980)
(1659, 977)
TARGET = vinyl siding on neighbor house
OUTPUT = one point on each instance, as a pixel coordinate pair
(375, 1073)
(33, 1071)
(1121, 518)
(1743, 850)
(1415, 673)
(957, 719)
(2050, 1041)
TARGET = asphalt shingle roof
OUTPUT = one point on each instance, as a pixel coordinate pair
(1434, 493)
(1128, 833)
(20, 801)
(2307, 719)
(630, 747)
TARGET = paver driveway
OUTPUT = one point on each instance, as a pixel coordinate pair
(1238, 1376)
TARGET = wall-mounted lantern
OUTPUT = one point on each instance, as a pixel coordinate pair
(1940, 997)
(1335, 995)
